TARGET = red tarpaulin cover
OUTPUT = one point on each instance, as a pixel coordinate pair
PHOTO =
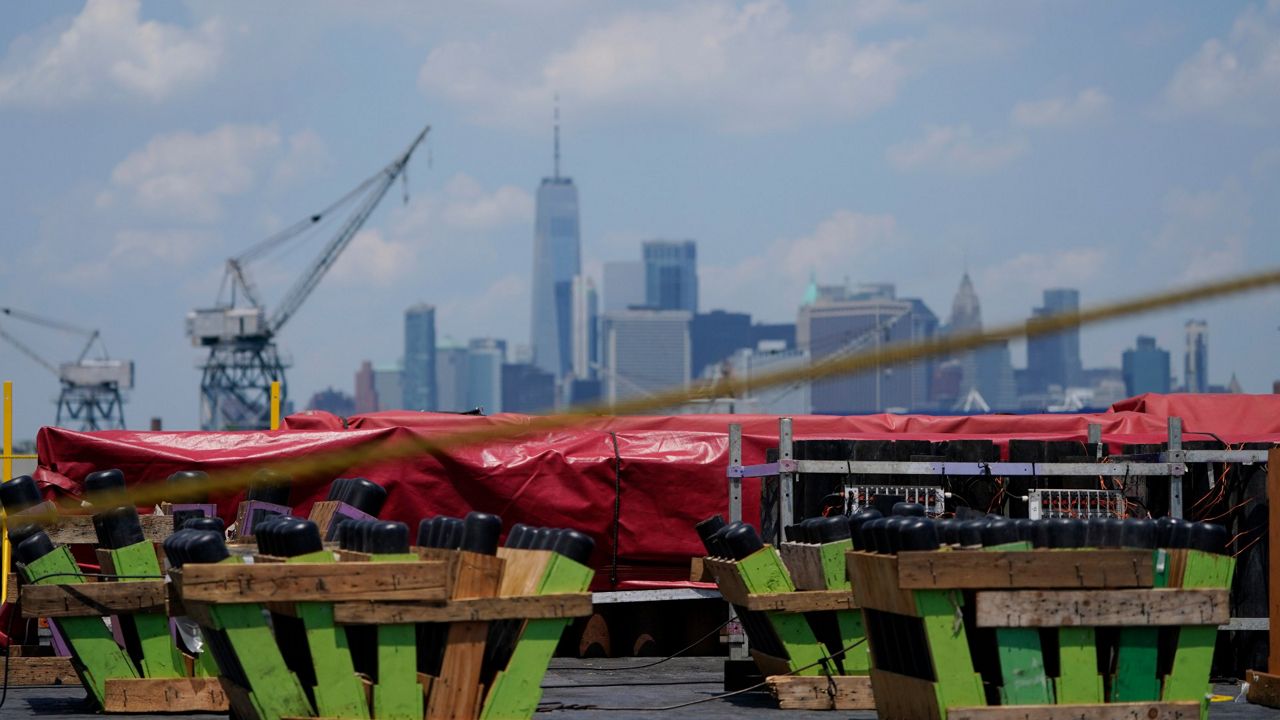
(658, 475)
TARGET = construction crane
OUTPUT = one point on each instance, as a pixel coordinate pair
(91, 387)
(243, 361)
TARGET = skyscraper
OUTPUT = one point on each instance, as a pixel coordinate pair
(1146, 368)
(485, 357)
(419, 379)
(451, 377)
(366, 395)
(586, 307)
(644, 352)
(388, 384)
(556, 260)
(671, 275)
(717, 335)
(1196, 361)
(988, 370)
(1055, 359)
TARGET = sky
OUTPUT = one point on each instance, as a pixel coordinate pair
(1118, 148)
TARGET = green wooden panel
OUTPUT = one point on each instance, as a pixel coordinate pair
(835, 568)
(516, 689)
(958, 685)
(763, 572)
(397, 694)
(1189, 677)
(853, 634)
(97, 654)
(1136, 655)
(1022, 667)
(1079, 681)
(338, 691)
(160, 655)
(273, 689)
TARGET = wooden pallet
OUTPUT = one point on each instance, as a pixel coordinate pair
(934, 601)
(835, 692)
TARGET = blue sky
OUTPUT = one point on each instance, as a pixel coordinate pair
(1115, 147)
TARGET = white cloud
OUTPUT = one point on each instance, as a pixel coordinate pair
(306, 156)
(955, 149)
(487, 312)
(133, 251)
(1238, 77)
(373, 259)
(845, 241)
(744, 68)
(467, 206)
(1204, 232)
(106, 50)
(185, 175)
(1088, 105)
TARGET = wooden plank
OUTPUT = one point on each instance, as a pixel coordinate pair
(93, 599)
(839, 692)
(728, 580)
(875, 584)
(78, 529)
(698, 571)
(804, 563)
(770, 665)
(523, 572)
(167, 695)
(902, 696)
(456, 692)
(1099, 608)
(1105, 711)
(25, 671)
(1264, 688)
(11, 585)
(568, 605)
(1273, 558)
(978, 570)
(311, 582)
(1022, 674)
(802, 601)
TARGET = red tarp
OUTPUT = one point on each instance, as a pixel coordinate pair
(660, 475)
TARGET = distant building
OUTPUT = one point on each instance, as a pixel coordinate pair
(366, 394)
(451, 377)
(586, 308)
(583, 392)
(1196, 360)
(986, 372)
(623, 285)
(419, 379)
(1146, 368)
(716, 335)
(1055, 359)
(333, 401)
(644, 352)
(527, 389)
(388, 387)
(788, 399)
(485, 358)
(772, 333)
(864, 320)
(556, 260)
(671, 275)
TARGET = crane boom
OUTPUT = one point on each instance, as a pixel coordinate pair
(29, 352)
(309, 279)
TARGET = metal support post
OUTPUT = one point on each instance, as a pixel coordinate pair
(275, 404)
(735, 481)
(1095, 437)
(786, 478)
(8, 431)
(1175, 456)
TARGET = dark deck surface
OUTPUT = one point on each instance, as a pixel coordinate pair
(577, 689)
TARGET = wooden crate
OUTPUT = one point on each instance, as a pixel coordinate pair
(484, 627)
(779, 596)
(1036, 621)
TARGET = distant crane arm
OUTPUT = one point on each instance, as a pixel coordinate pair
(90, 336)
(309, 279)
(29, 353)
(239, 277)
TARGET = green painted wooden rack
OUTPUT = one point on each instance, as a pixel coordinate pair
(1142, 610)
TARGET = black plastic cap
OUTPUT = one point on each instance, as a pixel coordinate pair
(120, 527)
(576, 546)
(870, 534)
(1113, 533)
(1041, 534)
(481, 532)
(367, 496)
(269, 486)
(299, 537)
(1208, 537)
(19, 494)
(388, 537)
(856, 521)
(18, 533)
(971, 533)
(183, 477)
(908, 509)
(1059, 532)
(1164, 531)
(208, 524)
(833, 529)
(1026, 529)
(104, 481)
(1180, 534)
(918, 534)
(743, 540)
(999, 532)
(206, 546)
(33, 548)
(518, 534)
(707, 527)
(1139, 534)
(1074, 533)
(716, 546)
(339, 489)
(451, 530)
(1095, 532)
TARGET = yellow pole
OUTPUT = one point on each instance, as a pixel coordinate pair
(275, 404)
